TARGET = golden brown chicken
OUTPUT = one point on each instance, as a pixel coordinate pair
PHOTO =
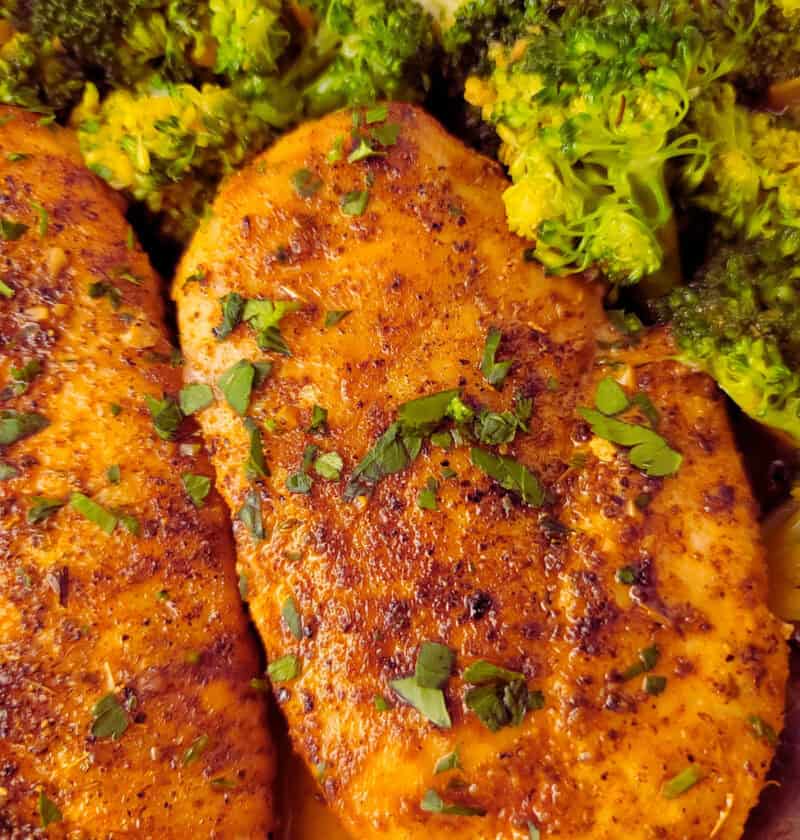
(482, 619)
(125, 663)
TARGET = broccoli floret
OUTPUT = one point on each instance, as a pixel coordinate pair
(739, 319)
(168, 145)
(250, 35)
(753, 184)
(364, 50)
(587, 108)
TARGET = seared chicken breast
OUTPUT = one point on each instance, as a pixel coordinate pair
(484, 618)
(125, 662)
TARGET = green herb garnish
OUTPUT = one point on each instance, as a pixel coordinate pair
(424, 690)
(11, 231)
(319, 418)
(362, 151)
(434, 804)
(761, 729)
(500, 697)
(166, 414)
(387, 134)
(447, 762)
(236, 385)
(16, 425)
(110, 719)
(334, 316)
(510, 474)
(426, 498)
(195, 750)
(104, 519)
(113, 474)
(44, 218)
(678, 785)
(381, 703)
(195, 397)
(43, 507)
(197, 487)
(354, 203)
(232, 308)
(255, 466)
(434, 664)
(329, 466)
(376, 114)
(101, 289)
(609, 398)
(284, 669)
(264, 317)
(5, 290)
(306, 184)
(7, 471)
(654, 685)
(250, 515)
(493, 371)
(646, 661)
(291, 618)
(48, 810)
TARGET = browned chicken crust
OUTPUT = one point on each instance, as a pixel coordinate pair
(153, 619)
(424, 272)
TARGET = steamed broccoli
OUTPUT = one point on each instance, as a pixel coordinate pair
(753, 184)
(740, 320)
(364, 50)
(587, 108)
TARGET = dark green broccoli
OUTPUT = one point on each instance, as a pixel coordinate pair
(739, 319)
(362, 51)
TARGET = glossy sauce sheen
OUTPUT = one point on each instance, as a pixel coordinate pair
(154, 618)
(427, 269)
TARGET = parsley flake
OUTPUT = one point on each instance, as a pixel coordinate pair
(329, 466)
(48, 810)
(166, 414)
(104, 519)
(7, 471)
(284, 669)
(381, 703)
(264, 317)
(334, 316)
(16, 425)
(306, 184)
(6, 291)
(678, 785)
(387, 134)
(195, 750)
(109, 718)
(761, 729)
(291, 618)
(426, 498)
(11, 231)
(447, 762)
(195, 397)
(44, 218)
(510, 474)
(434, 804)
(376, 114)
(500, 697)
(493, 371)
(113, 474)
(232, 308)
(319, 418)
(255, 466)
(354, 203)
(43, 507)
(250, 515)
(236, 385)
(609, 398)
(197, 487)
(424, 690)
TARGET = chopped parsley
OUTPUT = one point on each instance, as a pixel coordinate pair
(647, 659)
(761, 729)
(104, 519)
(499, 697)
(447, 762)
(387, 134)
(434, 804)
(609, 398)
(381, 703)
(329, 466)
(648, 451)
(113, 474)
(101, 289)
(255, 466)
(494, 372)
(363, 151)
(236, 385)
(335, 153)
(645, 404)
(291, 618)
(10, 230)
(301, 481)
(354, 203)
(678, 785)
(654, 685)
(197, 487)
(376, 114)
(420, 416)
(306, 184)
(424, 690)
(48, 810)
(264, 317)
(390, 454)
(232, 308)
(43, 507)
(195, 397)
(15, 157)
(7, 471)
(44, 218)
(626, 576)
(334, 316)
(109, 718)
(221, 783)
(166, 414)
(250, 515)
(510, 474)
(284, 669)
(426, 498)
(5, 290)
(16, 425)
(319, 419)
(494, 428)
(195, 750)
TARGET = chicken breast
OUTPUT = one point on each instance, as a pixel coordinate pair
(494, 626)
(125, 661)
